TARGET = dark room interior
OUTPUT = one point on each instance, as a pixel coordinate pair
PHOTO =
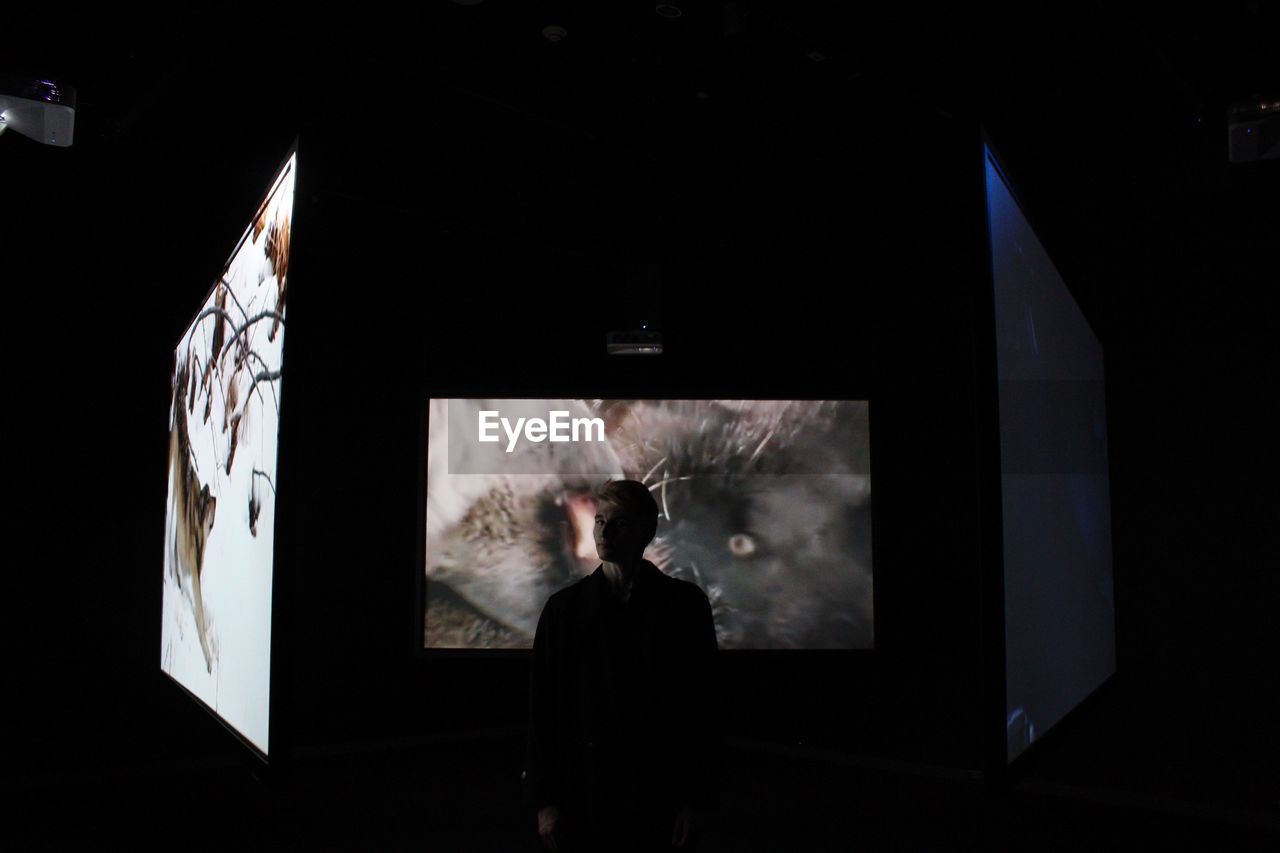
(792, 193)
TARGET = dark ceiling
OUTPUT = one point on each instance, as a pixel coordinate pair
(1111, 117)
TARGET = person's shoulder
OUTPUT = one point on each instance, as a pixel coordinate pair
(687, 591)
(567, 597)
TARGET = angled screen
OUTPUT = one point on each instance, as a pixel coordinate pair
(1059, 610)
(215, 638)
(764, 504)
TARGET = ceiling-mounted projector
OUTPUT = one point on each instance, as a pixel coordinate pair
(635, 342)
(40, 109)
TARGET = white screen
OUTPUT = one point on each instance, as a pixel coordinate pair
(220, 527)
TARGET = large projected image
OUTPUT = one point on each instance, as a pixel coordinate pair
(1056, 510)
(764, 504)
(219, 534)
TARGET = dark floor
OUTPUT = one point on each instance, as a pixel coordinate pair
(463, 799)
(1118, 779)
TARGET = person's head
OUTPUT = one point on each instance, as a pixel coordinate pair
(626, 520)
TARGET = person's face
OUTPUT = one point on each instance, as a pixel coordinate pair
(620, 535)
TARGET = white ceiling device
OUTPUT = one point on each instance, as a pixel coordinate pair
(39, 109)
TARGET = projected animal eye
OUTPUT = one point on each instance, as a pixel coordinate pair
(742, 545)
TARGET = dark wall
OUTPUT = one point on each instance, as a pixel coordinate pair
(867, 298)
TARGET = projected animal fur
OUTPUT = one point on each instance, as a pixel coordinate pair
(764, 504)
(502, 543)
(224, 423)
(192, 511)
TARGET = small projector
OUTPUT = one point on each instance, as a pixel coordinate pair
(638, 342)
(39, 109)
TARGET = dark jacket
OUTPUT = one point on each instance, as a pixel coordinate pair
(622, 695)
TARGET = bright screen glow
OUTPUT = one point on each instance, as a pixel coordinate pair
(220, 528)
(765, 505)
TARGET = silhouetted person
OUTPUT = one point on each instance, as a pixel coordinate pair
(623, 745)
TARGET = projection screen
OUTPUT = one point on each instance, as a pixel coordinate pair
(223, 431)
(1056, 510)
(764, 504)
